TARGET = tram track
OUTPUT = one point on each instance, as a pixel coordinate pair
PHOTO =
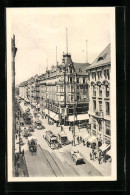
(52, 163)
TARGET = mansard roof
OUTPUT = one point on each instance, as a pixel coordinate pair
(103, 59)
(80, 68)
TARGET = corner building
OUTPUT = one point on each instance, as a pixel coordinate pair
(63, 92)
(99, 94)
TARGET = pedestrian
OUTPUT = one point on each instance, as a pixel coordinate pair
(23, 152)
(90, 156)
(95, 154)
(16, 136)
(78, 139)
(72, 142)
(99, 158)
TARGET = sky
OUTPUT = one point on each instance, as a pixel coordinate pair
(38, 31)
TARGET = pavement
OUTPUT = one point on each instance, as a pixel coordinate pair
(48, 162)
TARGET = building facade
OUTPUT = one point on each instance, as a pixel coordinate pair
(99, 95)
(75, 93)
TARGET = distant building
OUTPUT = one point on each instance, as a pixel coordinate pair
(99, 95)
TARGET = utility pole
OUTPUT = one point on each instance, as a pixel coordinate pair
(74, 109)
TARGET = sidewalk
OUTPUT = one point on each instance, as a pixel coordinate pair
(21, 169)
(103, 168)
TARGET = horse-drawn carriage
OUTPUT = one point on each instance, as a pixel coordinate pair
(32, 144)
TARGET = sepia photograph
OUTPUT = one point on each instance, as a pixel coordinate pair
(61, 94)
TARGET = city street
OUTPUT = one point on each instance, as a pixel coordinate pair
(57, 162)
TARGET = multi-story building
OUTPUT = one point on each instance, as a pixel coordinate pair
(99, 95)
(23, 89)
(62, 92)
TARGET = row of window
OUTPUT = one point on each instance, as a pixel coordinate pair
(100, 125)
(107, 90)
(106, 74)
(100, 107)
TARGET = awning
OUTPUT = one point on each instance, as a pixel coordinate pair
(92, 139)
(81, 117)
(38, 106)
(56, 117)
(52, 114)
(72, 118)
(109, 152)
(86, 136)
(104, 147)
(46, 111)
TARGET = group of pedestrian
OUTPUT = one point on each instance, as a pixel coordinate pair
(95, 155)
